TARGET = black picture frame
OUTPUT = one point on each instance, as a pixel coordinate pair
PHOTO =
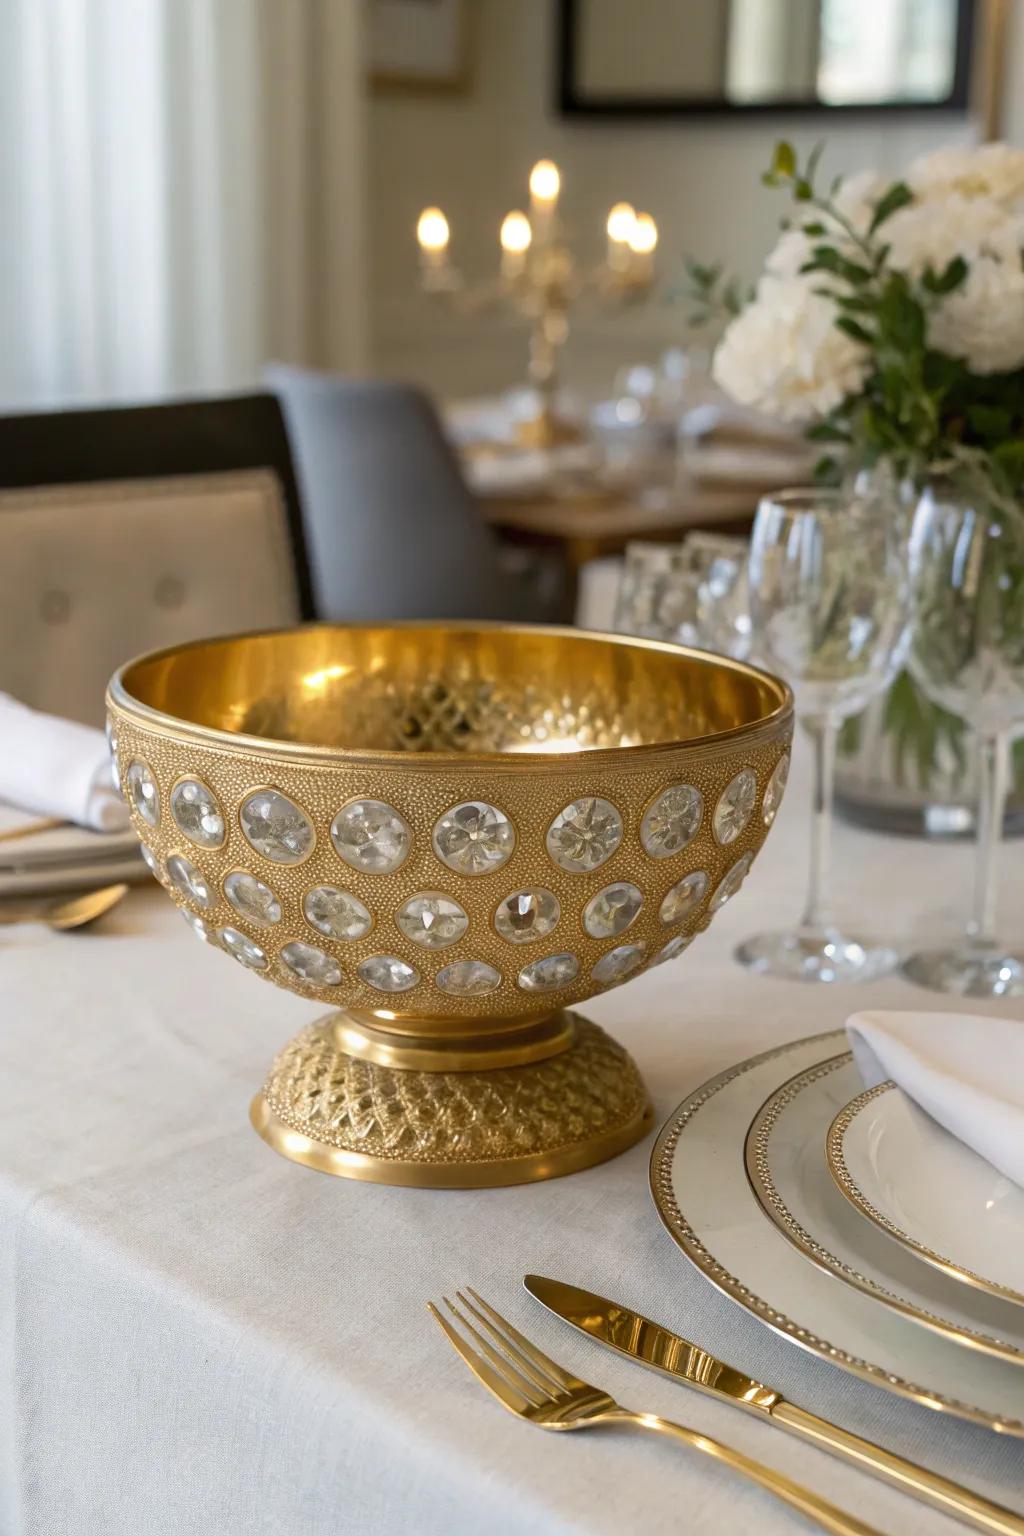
(571, 102)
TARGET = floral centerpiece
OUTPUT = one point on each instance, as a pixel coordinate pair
(889, 324)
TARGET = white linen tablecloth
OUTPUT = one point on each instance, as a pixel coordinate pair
(198, 1336)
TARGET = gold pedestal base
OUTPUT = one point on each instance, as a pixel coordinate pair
(577, 1101)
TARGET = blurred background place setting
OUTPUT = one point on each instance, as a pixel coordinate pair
(511, 720)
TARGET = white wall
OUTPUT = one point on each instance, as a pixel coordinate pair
(471, 154)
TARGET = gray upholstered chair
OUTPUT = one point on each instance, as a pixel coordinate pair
(392, 529)
(125, 529)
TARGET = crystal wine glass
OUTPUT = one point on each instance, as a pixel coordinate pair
(828, 598)
(967, 655)
(694, 593)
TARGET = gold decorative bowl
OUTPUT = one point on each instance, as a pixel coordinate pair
(451, 834)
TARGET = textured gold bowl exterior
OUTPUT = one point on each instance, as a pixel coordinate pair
(442, 715)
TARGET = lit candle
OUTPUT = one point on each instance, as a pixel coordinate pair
(516, 235)
(432, 233)
(642, 241)
(621, 221)
(545, 183)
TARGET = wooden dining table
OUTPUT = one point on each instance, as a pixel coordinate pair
(592, 526)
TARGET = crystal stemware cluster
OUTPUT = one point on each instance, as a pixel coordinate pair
(474, 840)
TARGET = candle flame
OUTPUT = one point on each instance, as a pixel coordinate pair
(644, 235)
(621, 223)
(516, 233)
(432, 230)
(545, 181)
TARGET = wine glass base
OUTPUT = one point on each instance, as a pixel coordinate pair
(967, 971)
(820, 957)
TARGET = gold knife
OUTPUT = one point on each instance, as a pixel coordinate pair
(648, 1343)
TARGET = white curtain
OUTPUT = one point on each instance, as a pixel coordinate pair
(180, 194)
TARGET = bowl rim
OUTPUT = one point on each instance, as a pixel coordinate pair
(175, 726)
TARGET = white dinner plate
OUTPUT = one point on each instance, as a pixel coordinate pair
(703, 1195)
(925, 1188)
(787, 1168)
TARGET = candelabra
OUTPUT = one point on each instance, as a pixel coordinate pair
(541, 278)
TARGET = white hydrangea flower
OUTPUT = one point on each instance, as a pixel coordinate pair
(932, 234)
(855, 200)
(790, 253)
(982, 321)
(784, 355)
(857, 196)
(990, 170)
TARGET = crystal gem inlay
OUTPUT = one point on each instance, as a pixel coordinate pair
(242, 949)
(371, 836)
(188, 880)
(674, 947)
(197, 925)
(386, 973)
(251, 897)
(311, 965)
(549, 973)
(336, 914)
(730, 883)
(527, 915)
(150, 860)
(774, 790)
(196, 812)
(684, 897)
(276, 827)
(432, 919)
(474, 838)
(734, 807)
(584, 834)
(468, 978)
(671, 821)
(143, 792)
(611, 911)
(115, 769)
(618, 963)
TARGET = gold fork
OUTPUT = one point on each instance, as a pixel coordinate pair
(533, 1387)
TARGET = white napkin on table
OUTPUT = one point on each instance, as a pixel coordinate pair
(966, 1071)
(56, 767)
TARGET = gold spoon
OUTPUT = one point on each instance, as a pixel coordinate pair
(68, 911)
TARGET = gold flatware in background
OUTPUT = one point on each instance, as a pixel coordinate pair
(66, 912)
(632, 1334)
(533, 1387)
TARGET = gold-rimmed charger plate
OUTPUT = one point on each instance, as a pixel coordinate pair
(785, 1160)
(927, 1191)
(703, 1196)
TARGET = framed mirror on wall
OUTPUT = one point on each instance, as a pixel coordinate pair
(672, 57)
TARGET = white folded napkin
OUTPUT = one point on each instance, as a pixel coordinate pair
(966, 1071)
(56, 767)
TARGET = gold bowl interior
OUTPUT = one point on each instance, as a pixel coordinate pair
(452, 688)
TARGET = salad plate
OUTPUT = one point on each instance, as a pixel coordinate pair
(935, 1196)
(785, 1160)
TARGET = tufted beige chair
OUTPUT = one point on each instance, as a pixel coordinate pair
(126, 529)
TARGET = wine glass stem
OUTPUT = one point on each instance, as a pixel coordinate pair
(993, 782)
(817, 916)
